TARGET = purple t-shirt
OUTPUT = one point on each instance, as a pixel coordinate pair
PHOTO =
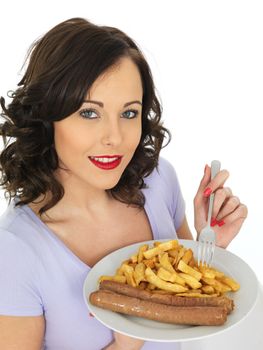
(39, 275)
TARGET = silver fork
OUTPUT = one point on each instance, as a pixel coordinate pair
(207, 238)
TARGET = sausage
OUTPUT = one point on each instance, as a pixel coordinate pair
(168, 299)
(190, 315)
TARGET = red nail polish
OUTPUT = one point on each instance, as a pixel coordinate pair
(213, 222)
(221, 223)
(207, 192)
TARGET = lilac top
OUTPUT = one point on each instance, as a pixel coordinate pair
(39, 275)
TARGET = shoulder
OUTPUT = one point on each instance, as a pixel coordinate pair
(15, 234)
(19, 255)
(18, 219)
(164, 174)
(163, 187)
(14, 248)
(163, 182)
(166, 169)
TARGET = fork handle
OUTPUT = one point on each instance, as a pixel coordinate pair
(215, 168)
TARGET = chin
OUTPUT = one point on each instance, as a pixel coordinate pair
(107, 185)
(110, 187)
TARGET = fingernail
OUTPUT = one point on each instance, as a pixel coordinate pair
(221, 223)
(91, 314)
(213, 222)
(207, 192)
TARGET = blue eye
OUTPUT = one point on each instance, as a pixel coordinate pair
(87, 113)
(130, 115)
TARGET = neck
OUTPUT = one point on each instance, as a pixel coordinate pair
(79, 200)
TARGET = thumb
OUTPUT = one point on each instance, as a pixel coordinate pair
(205, 180)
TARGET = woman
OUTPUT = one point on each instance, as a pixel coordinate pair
(82, 168)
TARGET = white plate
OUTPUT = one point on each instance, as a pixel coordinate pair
(137, 327)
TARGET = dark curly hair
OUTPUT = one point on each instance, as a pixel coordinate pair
(62, 66)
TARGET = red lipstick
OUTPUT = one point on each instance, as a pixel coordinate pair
(106, 162)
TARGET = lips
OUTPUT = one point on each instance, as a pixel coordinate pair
(106, 162)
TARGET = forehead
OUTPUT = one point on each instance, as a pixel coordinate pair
(120, 81)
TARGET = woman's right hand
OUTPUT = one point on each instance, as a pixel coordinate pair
(123, 342)
(127, 343)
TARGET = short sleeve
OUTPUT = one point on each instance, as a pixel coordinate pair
(175, 198)
(19, 294)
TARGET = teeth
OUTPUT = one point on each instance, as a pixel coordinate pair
(104, 160)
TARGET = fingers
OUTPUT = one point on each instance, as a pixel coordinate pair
(224, 203)
(229, 207)
(234, 222)
(223, 239)
(205, 180)
(217, 182)
(208, 186)
(240, 213)
(199, 197)
(231, 216)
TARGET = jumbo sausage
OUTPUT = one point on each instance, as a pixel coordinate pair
(190, 315)
(168, 299)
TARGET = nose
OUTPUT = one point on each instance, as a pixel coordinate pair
(112, 133)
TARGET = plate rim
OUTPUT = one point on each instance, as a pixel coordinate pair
(214, 330)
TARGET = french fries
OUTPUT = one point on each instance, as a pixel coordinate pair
(161, 284)
(182, 266)
(162, 247)
(170, 268)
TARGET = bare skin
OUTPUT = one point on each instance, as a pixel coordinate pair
(21, 333)
(86, 206)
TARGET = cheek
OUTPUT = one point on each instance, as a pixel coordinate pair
(70, 142)
(134, 136)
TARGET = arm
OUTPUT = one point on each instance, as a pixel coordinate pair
(183, 232)
(22, 324)
(21, 333)
(121, 342)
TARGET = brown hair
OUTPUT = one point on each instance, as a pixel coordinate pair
(62, 66)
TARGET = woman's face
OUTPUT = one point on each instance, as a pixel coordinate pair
(96, 143)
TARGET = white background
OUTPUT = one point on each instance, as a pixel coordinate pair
(207, 62)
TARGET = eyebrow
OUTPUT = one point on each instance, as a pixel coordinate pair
(102, 105)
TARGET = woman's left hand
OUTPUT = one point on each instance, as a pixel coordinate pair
(228, 212)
